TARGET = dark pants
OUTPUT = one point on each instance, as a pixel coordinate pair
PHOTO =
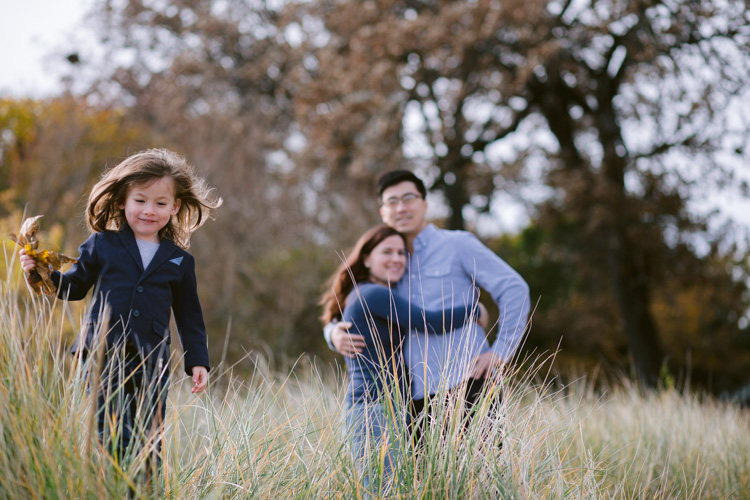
(470, 392)
(131, 406)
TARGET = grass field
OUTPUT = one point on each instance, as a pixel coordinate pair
(278, 435)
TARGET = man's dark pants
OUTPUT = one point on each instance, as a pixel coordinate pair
(470, 392)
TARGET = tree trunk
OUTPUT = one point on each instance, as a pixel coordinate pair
(605, 191)
(631, 288)
(455, 195)
(628, 259)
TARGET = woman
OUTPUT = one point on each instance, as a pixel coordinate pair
(360, 293)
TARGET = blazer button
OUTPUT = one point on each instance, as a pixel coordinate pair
(136, 313)
(139, 288)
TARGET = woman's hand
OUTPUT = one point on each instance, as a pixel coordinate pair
(27, 263)
(484, 316)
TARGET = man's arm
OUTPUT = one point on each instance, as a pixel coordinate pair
(507, 289)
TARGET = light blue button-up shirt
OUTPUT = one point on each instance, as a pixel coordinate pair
(444, 271)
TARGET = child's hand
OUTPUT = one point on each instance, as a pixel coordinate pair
(200, 378)
(27, 263)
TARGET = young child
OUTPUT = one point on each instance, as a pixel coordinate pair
(141, 214)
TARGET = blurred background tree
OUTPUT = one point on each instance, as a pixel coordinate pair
(51, 151)
(615, 111)
(207, 79)
(609, 121)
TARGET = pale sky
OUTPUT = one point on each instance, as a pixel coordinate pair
(31, 31)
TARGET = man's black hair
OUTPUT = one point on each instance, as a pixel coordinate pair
(394, 177)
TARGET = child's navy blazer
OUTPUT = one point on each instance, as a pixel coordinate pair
(139, 300)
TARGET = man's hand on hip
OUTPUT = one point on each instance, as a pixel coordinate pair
(485, 363)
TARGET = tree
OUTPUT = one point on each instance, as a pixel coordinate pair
(606, 118)
(618, 108)
(699, 309)
(52, 150)
(209, 80)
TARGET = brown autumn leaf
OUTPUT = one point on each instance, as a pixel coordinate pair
(46, 260)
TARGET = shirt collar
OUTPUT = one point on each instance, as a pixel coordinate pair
(424, 237)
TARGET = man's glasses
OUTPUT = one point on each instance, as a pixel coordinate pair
(406, 199)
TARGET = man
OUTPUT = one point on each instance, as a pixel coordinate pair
(445, 267)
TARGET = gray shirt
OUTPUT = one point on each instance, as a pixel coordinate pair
(148, 250)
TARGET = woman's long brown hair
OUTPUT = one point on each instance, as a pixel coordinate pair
(352, 271)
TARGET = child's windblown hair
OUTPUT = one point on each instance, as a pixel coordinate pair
(196, 201)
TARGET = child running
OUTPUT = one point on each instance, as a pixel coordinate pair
(141, 215)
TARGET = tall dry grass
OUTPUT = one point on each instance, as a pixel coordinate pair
(279, 435)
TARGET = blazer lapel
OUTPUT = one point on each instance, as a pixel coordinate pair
(128, 240)
(166, 250)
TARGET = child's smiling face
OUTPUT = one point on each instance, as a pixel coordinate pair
(149, 207)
